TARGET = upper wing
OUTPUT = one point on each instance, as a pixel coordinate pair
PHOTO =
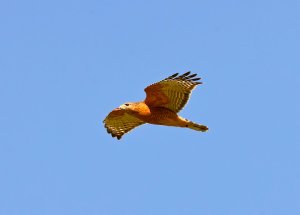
(172, 92)
(118, 122)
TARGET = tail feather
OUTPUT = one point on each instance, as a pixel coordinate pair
(197, 127)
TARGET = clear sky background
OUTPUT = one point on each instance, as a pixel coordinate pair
(64, 65)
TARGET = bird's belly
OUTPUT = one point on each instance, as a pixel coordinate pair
(162, 116)
(166, 121)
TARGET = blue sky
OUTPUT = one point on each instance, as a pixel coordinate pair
(64, 65)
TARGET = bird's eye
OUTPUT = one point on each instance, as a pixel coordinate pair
(127, 104)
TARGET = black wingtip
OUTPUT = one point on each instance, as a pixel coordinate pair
(187, 73)
(195, 79)
(192, 75)
(174, 75)
(184, 75)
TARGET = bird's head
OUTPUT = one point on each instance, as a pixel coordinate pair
(134, 108)
(127, 106)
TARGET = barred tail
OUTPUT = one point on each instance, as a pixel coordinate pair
(197, 127)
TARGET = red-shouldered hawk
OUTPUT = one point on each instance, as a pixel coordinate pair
(164, 100)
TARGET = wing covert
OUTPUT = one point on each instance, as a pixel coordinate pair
(118, 123)
(173, 92)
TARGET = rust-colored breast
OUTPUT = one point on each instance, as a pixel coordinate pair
(160, 116)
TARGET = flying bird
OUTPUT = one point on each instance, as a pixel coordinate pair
(164, 100)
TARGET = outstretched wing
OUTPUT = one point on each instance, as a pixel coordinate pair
(172, 92)
(118, 122)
